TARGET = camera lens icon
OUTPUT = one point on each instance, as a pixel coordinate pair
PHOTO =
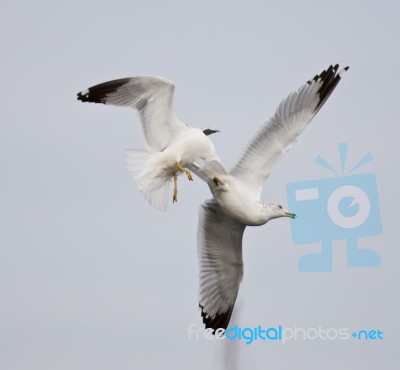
(342, 207)
(348, 206)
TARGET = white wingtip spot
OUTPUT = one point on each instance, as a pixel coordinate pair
(85, 92)
(342, 72)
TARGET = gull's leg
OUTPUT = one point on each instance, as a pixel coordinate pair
(175, 193)
(217, 181)
(188, 173)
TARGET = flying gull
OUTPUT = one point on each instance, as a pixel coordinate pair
(171, 144)
(236, 202)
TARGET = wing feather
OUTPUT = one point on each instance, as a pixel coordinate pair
(151, 96)
(219, 247)
(279, 134)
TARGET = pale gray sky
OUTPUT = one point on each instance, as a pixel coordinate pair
(91, 277)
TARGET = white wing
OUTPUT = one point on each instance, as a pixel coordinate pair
(208, 169)
(279, 134)
(219, 248)
(153, 99)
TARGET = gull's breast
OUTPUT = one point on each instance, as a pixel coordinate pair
(239, 202)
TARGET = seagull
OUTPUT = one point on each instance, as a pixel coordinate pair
(236, 197)
(171, 144)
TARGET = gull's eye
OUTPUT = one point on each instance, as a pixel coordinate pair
(280, 207)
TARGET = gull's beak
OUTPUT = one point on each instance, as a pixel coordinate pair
(290, 214)
(209, 131)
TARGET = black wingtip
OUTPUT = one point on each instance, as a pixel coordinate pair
(219, 321)
(99, 93)
(328, 79)
(87, 96)
(83, 96)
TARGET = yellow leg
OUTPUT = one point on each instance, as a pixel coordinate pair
(217, 181)
(183, 169)
(175, 193)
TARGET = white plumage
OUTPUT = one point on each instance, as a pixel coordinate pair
(236, 203)
(171, 145)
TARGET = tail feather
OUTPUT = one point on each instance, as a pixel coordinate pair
(149, 179)
(159, 198)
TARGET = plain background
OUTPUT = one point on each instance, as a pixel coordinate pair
(91, 277)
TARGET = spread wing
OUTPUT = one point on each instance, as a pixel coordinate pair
(219, 248)
(153, 99)
(279, 134)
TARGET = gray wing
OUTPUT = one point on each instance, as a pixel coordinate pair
(153, 99)
(219, 248)
(208, 169)
(279, 134)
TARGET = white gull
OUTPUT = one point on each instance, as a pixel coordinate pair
(236, 202)
(171, 144)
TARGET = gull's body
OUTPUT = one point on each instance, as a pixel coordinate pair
(237, 197)
(171, 144)
(234, 197)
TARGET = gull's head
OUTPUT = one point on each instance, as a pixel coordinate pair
(280, 211)
(275, 210)
(209, 131)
